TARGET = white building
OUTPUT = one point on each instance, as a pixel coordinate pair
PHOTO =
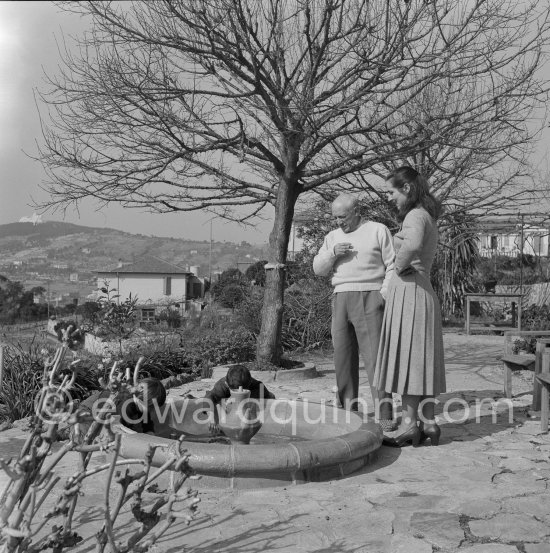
(156, 283)
(508, 242)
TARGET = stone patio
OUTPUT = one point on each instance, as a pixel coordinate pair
(483, 490)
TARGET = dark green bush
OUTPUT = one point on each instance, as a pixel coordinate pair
(306, 317)
(210, 347)
(528, 345)
(230, 289)
(231, 295)
(536, 317)
(23, 370)
(158, 363)
(200, 348)
(172, 317)
(22, 382)
(75, 337)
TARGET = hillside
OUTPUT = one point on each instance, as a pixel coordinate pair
(56, 249)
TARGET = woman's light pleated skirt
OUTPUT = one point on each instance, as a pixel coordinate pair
(410, 357)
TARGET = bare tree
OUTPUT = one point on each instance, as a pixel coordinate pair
(234, 105)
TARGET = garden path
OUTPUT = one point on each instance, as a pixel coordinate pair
(483, 490)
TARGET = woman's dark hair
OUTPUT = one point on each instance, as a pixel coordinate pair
(419, 193)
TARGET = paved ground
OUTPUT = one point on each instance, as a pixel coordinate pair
(483, 490)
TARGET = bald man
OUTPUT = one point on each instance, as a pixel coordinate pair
(359, 255)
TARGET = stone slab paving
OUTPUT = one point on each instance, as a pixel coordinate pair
(483, 490)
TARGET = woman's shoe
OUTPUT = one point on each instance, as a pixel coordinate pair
(388, 425)
(431, 431)
(411, 435)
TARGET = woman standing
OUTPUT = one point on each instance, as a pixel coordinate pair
(410, 358)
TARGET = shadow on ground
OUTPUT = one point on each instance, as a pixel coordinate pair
(269, 536)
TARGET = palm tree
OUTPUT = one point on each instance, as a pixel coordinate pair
(455, 266)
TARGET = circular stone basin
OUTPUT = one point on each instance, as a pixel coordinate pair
(299, 442)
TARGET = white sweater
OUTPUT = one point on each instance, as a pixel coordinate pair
(369, 266)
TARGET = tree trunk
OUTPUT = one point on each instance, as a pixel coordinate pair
(269, 348)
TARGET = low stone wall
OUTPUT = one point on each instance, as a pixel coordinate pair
(306, 372)
(97, 346)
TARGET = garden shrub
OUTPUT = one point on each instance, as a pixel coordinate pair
(536, 317)
(210, 347)
(528, 345)
(249, 312)
(171, 317)
(231, 295)
(22, 381)
(231, 288)
(159, 361)
(199, 349)
(75, 338)
(306, 318)
(23, 370)
(110, 318)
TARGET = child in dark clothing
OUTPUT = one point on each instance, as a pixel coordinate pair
(136, 416)
(238, 376)
(134, 409)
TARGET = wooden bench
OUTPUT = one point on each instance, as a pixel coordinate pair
(511, 361)
(515, 362)
(544, 380)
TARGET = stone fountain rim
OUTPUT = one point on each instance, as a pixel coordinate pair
(256, 459)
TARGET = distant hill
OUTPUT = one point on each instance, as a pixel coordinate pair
(89, 249)
(49, 229)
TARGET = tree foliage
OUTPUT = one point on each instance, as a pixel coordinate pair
(256, 273)
(110, 318)
(229, 290)
(16, 304)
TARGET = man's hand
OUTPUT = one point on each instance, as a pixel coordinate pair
(342, 248)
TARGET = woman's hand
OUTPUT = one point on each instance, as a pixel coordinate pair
(407, 271)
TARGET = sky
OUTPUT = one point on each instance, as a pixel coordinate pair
(29, 32)
(28, 47)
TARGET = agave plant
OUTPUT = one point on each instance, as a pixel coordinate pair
(454, 271)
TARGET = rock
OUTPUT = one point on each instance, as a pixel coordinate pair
(518, 483)
(537, 547)
(177, 380)
(479, 509)
(6, 425)
(371, 544)
(301, 373)
(507, 527)
(409, 544)
(516, 464)
(534, 505)
(491, 548)
(441, 529)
